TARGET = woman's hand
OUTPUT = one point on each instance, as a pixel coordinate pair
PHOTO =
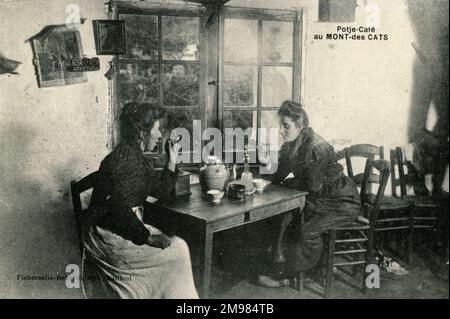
(159, 241)
(173, 156)
(263, 157)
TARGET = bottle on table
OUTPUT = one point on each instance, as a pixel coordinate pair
(247, 176)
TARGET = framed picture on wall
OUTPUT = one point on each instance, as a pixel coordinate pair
(109, 37)
(337, 10)
(55, 49)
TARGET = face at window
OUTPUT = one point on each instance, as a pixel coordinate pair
(289, 129)
(178, 70)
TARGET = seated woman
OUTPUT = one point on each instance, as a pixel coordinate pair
(306, 162)
(132, 259)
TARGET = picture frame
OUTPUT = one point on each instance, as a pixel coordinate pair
(55, 49)
(337, 10)
(109, 37)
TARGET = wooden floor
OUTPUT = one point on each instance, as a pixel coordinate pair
(420, 283)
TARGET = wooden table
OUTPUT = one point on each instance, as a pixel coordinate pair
(195, 219)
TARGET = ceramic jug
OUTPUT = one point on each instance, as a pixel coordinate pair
(213, 175)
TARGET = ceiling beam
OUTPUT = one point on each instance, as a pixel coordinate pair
(209, 2)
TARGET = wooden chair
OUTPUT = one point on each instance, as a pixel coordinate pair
(77, 188)
(351, 245)
(96, 287)
(339, 156)
(361, 150)
(394, 212)
(424, 207)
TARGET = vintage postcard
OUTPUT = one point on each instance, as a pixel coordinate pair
(224, 149)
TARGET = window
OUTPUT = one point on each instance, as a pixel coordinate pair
(176, 55)
(259, 68)
(163, 62)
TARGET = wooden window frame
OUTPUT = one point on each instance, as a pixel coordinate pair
(211, 62)
(159, 11)
(294, 16)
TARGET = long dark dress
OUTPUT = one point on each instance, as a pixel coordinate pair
(333, 198)
(114, 234)
(125, 181)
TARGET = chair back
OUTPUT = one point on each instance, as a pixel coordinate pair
(383, 168)
(398, 176)
(361, 150)
(339, 155)
(77, 188)
(405, 180)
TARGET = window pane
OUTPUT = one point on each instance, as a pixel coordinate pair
(241, 40)
(240, 86)
(181, 86)
(242, 120)
(138, 82)
(270, 120)
(180, 37)
(276, 85)
(180, 119)
(277, 41)
(141, 36)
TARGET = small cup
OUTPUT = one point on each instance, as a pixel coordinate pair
(260, 184)
(215, 195)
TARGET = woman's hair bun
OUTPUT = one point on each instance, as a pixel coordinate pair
(295, 111)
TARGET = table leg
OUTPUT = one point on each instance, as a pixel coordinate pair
(205, 262)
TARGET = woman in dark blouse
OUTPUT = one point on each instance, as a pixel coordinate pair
(307, 162)
(117, 241)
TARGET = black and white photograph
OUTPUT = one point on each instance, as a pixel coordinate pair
(224, 150)
(55, 48)
(110, 36)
